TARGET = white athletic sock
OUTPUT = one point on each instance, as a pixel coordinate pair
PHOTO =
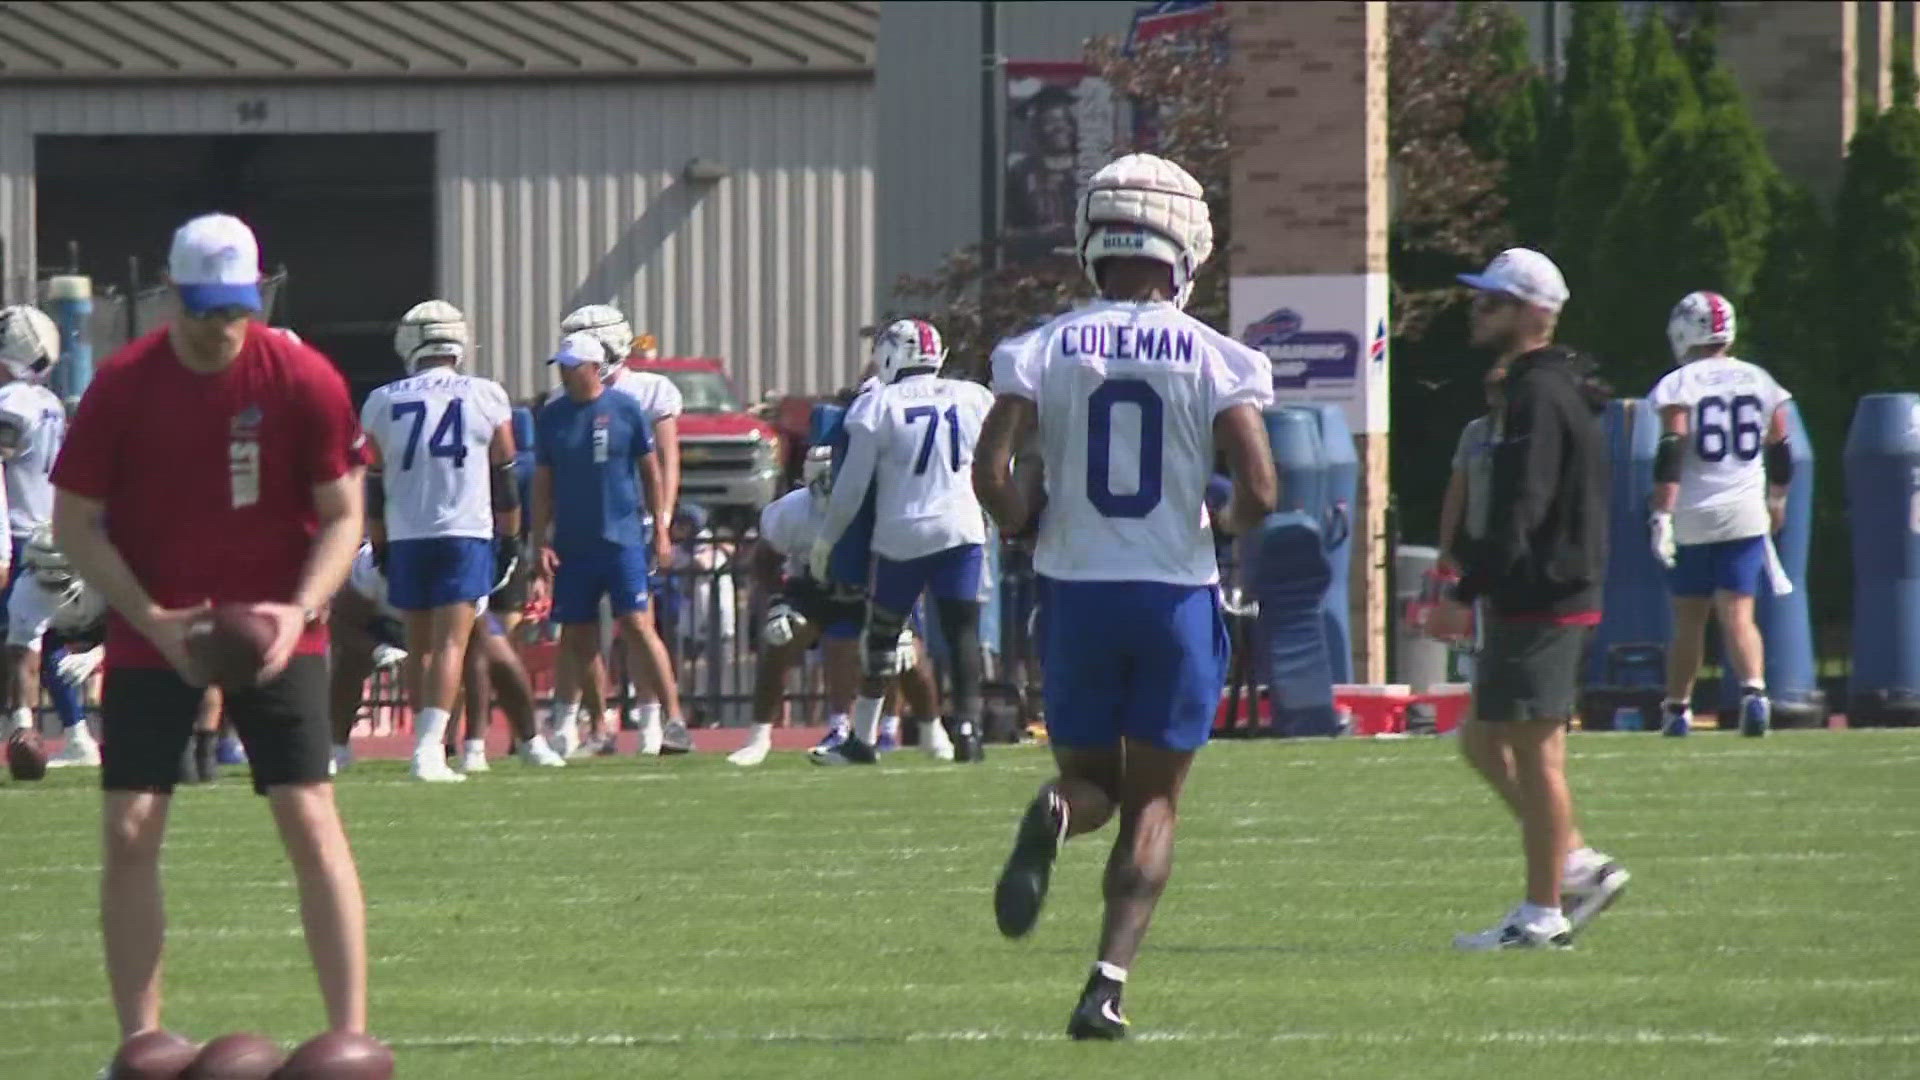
(81, 733)
(566, 717)
(866, 718)
(1532, 914)
(430, 728)
(649, 713)
(22, 718)
(762, 735)
(1111, 971)
(1754, 686)
(475, 746)
(837, 722)
(890, 725)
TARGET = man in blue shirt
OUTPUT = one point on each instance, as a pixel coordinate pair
(593, 463)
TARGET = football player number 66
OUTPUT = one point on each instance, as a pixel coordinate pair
(1101, 404)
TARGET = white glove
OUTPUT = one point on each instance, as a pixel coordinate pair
(1664, 549)
(817, 560)
(782, 624)
(77, 668)
(386, 656)
(905, 656)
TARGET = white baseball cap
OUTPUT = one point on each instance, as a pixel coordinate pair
(580, 347)
(215, 263)
(1525, 274)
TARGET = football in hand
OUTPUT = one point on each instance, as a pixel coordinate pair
(339, 1055)
(229, 645)
(240, 1056)
(26, 758)
(152, 1055)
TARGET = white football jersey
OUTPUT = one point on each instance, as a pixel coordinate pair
(1127, 394)
(1723, 481)
(30, 473)
(789, 524)
(433, 429)
(922, 431)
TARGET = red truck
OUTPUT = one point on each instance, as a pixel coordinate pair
(731, 462)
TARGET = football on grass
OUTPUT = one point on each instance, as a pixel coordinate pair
(151, 1055)
(240, 1056)
(229, 645)
(339, 1055)
(26, 758)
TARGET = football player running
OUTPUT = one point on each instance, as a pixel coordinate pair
(1720, 493)
(660, 400)
(33, 422)
(1131, 398)
(911, 440)
(442, 502)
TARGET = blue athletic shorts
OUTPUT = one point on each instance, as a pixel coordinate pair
(615, 571)
(1734, 566)
(953, 574)
(433, 572)
(1143, 660)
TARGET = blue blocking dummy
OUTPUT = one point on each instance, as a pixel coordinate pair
(1882, 463)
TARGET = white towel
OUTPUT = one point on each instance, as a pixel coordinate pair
(1777, 578)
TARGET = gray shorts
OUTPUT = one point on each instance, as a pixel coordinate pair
(1528, 671)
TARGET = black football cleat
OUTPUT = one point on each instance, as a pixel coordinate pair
(967, 745)
(1098, 1015)
(1022, 888)
(850, 752)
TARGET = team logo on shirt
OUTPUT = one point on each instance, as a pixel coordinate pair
(1303, 356)
(243, 455)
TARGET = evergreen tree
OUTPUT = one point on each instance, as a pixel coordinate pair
(1662, 89)
(1603, 152)
(1876, 308)
(1505, 128)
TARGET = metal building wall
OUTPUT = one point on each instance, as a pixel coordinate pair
(928, 85)
(552, 195)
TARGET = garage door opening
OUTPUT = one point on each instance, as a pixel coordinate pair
(350, 217)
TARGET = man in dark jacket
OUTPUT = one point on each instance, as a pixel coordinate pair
(1539, 570)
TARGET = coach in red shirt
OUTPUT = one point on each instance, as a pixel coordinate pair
(214, 461)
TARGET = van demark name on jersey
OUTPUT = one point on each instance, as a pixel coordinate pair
(1300, 356)
(1110, 342)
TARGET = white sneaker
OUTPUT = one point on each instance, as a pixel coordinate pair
(1555, 933)
(430, 764)
(565, 741)
(474, 759)
(535, 751)
(934, 740)
(84, 753)
(1592, 889)
(675, 738)
(652, 739)
(753, 753)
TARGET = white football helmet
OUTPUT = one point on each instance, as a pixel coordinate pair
(29, 341)
(603, 321)
(816, 469)
(81, 609)
(1700, 318)
(430, 330)
(1148, 207)
(907, 344)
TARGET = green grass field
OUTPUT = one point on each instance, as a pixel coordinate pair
(687, 919)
